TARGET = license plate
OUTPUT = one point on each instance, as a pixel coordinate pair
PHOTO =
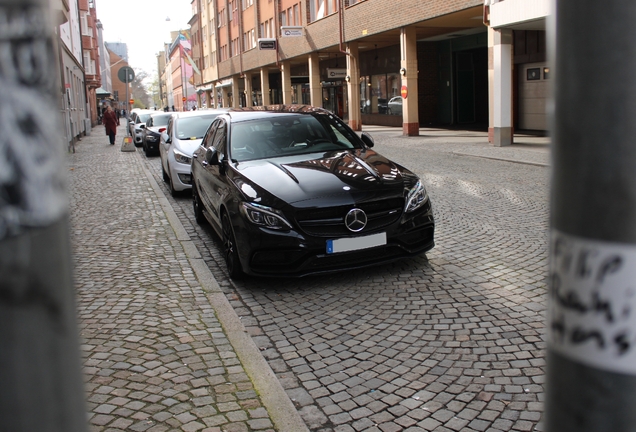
(355, 243)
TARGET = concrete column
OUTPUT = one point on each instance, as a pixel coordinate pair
(353, 87)
(315, 90)
(285, 71)
(408, 70)
(213, 96)
(236, 92)
(225, 97)
(248, 89)
(502, 87)
(265, 86)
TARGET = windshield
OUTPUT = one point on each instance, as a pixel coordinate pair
(143, 117)
(193, 127)
(290, 134)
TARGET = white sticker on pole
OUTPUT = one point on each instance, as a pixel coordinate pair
(592, 302)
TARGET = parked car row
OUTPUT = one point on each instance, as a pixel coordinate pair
(293, 191)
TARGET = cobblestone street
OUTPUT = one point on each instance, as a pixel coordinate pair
(450, 341)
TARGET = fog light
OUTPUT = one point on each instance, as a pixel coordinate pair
(185, 178)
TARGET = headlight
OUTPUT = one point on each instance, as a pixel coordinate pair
(264, 216)
(182, 157)
(416, 197)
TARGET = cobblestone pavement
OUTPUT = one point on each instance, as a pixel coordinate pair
(451, 341)
(156, 356)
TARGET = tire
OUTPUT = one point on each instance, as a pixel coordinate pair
(232, 262)
(173, 191)
(197, 206)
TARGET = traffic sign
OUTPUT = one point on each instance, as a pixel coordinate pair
(126, 74)
(184, 99)
(132, 101)
(405, 92)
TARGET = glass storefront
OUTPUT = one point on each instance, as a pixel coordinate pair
(376, 91)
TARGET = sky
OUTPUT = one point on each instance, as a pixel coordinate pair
(142, 26)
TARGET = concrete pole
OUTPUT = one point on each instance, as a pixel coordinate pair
(315, 90)
(591, 361)
(285, 72)
(502, 91)
(353, 87)
(236, 92)
(265, 86)
(408, 71)
(248, 89)
(41, 385)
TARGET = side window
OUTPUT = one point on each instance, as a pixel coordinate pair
(169, 127)
(208, 139)
(220, 138)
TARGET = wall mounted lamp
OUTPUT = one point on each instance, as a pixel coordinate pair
(403, 71)
(347, 78)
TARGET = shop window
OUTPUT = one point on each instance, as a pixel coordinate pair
(376, 91)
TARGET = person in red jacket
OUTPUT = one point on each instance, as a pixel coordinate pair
(111, 121)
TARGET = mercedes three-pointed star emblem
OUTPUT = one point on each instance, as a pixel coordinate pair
(356, 220)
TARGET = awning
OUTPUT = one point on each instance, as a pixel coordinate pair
(102, 93)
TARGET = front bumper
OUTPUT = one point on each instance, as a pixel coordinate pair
(293, 254)
(181, 174)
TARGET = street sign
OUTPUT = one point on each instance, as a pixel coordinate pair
(184, 98)
(132, 101)
(126, 74)
(404, 92)
(266, 44)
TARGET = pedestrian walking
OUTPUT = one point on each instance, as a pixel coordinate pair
(111, 121)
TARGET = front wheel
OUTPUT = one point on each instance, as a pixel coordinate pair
(229, 249)
(197, 206)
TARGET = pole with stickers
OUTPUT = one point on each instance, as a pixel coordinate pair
(591, 327)
(41, 387)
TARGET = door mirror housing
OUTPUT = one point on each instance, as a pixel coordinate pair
(366, 138)
(212, 156)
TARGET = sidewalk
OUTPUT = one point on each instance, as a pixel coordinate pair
(526, 149)
(162, 347)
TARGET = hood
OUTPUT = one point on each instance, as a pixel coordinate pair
(343, 176)
(187, 147)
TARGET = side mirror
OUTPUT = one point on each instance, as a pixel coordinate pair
(212, 156)
(142, 126)
(366, 138)
(166, 138)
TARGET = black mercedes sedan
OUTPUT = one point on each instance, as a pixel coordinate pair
(291, 190)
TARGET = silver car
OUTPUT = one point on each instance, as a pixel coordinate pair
(138, 118)
(182, 137)
(395, 106)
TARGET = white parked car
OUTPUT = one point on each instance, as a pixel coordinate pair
(182, 137)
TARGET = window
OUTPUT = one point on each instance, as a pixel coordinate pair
(86, 30)
(297, 21)
(283, 18)
(290, 17)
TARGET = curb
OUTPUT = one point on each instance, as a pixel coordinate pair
(282, 411)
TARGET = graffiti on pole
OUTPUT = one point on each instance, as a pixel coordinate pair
(32, 192)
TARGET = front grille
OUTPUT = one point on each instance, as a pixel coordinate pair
(329, 222)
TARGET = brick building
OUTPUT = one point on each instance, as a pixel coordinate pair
(406, 63)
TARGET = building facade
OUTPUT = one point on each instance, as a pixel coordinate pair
(90, 56)
(406, 63)
(74, 105)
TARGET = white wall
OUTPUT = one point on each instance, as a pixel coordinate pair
(509, 12)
